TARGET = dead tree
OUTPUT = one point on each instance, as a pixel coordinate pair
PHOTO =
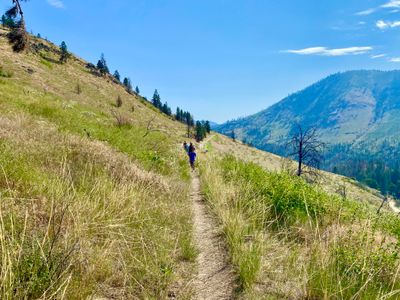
(150, 127)
(306, 150)
(384, 200)
(18, 37)
(342, 190)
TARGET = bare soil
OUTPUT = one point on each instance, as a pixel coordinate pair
(215, 278)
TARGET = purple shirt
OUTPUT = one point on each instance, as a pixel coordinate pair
(192, 156)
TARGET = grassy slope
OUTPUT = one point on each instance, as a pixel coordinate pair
(92, 209)
(331, 183)
(290, 240)
(87, 208)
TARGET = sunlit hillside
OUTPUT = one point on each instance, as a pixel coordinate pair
(97, 201)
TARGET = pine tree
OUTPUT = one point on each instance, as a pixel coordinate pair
(233, 135)
(207, 126)
(64, 52)
(128, 85)
(137, 91)
(166, 109)
(200, 131)
(156, 100)
(178, 114)
(117, 76)
(189, 122)
(17, 37)
(4, 20)
(102, 65)
(7, 21)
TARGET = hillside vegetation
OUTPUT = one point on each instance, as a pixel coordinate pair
(94, 201)
(290, 240)
(89, 206)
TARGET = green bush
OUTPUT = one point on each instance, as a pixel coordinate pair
(6, 74)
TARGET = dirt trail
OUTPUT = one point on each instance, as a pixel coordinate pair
(215, 279)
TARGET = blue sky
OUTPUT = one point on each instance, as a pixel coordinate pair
(224, 59)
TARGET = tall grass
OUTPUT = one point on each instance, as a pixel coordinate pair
(288, 239)
(79, 219)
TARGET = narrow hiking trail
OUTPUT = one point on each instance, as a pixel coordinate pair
(215, 278)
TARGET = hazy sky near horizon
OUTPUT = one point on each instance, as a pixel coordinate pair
(223, 59)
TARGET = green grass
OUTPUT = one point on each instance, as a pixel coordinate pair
(325, 247)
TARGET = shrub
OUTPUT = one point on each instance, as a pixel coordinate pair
(120, 120)
(118, 102)
(6, 74)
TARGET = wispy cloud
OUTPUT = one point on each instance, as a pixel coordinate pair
(366, 12)
(324, 51)
(392, 4)
(395, 59)
(378, 56)
(381, 24)
(56, 3)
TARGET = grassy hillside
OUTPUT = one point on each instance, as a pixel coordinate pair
(88, 208)
(94, 201)
(290, 240)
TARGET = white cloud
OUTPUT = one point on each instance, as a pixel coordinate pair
(366, 12)
(324, 51)
(378, 56)
(56, 3)
(395, 59)
(392, 4)
(381, 24)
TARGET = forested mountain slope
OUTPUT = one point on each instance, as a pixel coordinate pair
(357, 114)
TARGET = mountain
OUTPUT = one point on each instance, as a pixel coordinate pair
(357, 114)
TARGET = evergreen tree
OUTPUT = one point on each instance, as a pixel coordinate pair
(166, 109)
(38, 36)
(128, 85)
(64, 52)
(8, 21)
(137, 91)
(102, 65)
(207, 126)
(178, 114)
(189, 122)
(200, 131)
(18, 37)
(156, 100)
(233, 135)
(117, 76)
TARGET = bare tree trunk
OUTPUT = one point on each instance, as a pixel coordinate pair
(383, 202)
(299, 171)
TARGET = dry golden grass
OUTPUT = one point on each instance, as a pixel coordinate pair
(88, 209)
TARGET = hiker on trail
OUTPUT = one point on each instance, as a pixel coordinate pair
(191, 148)
(186, 147)
(192, 157)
